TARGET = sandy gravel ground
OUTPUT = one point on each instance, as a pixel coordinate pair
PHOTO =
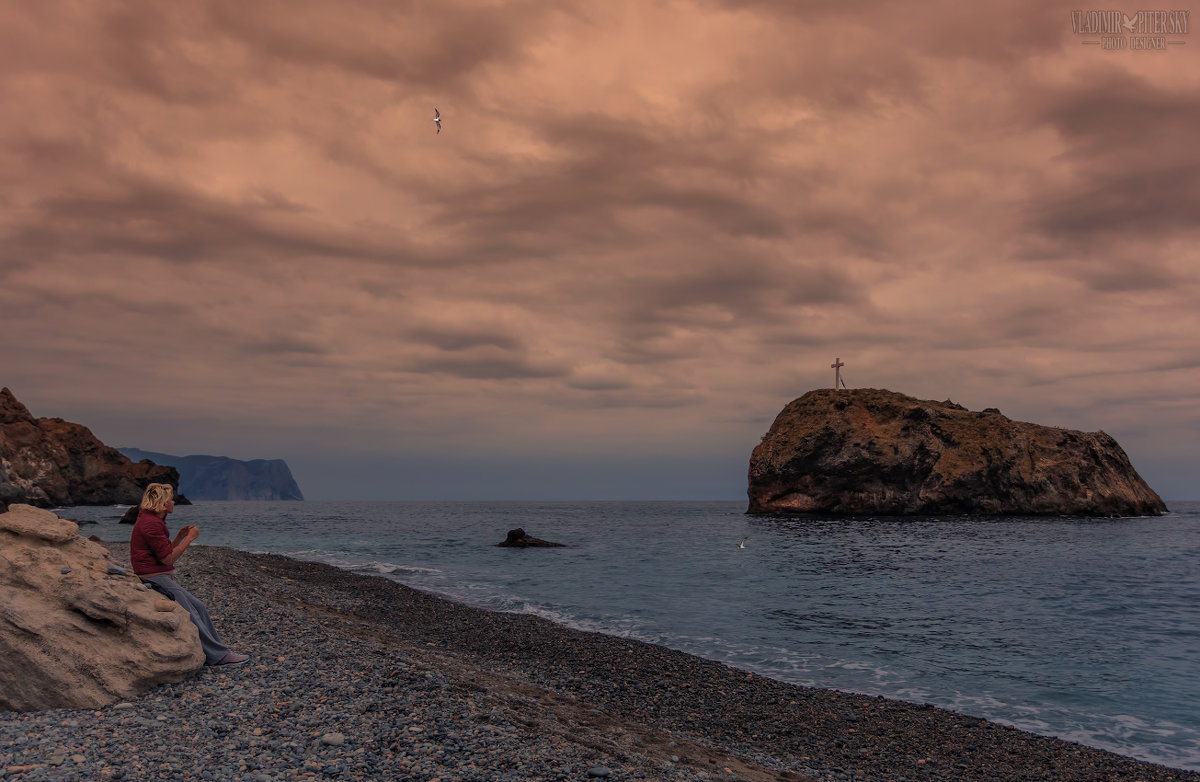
(359, 678)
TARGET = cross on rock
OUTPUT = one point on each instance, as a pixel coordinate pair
(836, 366)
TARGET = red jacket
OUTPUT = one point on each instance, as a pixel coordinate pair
(149, 545)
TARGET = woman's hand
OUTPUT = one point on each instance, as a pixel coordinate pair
(188, 532)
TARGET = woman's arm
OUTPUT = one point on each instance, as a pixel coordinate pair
(183, 539)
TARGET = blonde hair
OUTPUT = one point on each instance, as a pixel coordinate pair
(157, 496)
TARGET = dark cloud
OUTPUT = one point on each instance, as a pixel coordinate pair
(996, 33)
(149, 219)
(1029, 324)
(149, 48)
(600, 383)
(1127, 201)
(437, 47)
(1130, 273)
(1106, 114)
(1136, 166)
(454, 340)
(612, 170)
(282, 345)
(628, 397)
(738, 292)
(487, 368)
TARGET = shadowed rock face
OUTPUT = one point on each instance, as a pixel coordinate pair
(873, 451)
(76, 630)
(49, 461)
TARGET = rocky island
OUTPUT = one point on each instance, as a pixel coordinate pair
(878, 452)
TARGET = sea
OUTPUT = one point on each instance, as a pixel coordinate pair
(1084, 629)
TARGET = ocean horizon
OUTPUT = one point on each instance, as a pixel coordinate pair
(1084, 629)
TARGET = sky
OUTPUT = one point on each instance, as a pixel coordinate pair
(233, 228)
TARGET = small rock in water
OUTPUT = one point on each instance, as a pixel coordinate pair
(518, 539)
(598, 772)
(333, 739)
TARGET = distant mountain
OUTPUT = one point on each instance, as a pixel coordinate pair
(222, 478)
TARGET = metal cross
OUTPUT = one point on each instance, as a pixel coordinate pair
(836, 366)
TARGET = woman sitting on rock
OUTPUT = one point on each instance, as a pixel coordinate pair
(153, 555)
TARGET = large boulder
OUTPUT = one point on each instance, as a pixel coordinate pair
(76, 629)
(877, 452)
(51, 462)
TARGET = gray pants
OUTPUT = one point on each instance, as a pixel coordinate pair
(214, 650)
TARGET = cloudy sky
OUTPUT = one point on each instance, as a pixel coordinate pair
(230, 227)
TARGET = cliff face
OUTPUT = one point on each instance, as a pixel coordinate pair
(222, 478)
(48, 461)
(872, 451)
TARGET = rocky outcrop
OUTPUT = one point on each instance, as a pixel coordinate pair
(517, 538)
(872, 451)
(51, 462)
(76, 630)
(222, 478)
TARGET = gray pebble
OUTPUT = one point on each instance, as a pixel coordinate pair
(599, 772)
(333, 739)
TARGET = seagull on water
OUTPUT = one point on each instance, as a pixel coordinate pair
(437, 118)
(742, 544)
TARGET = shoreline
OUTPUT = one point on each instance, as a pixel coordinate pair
(358, 677)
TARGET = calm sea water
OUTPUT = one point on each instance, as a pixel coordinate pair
(1084, 629)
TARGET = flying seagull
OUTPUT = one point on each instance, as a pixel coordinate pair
(438, 119)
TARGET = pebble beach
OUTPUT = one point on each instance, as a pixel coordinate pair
(355, 677)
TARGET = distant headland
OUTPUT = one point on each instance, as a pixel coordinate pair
(222, 478)
(877, 452)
